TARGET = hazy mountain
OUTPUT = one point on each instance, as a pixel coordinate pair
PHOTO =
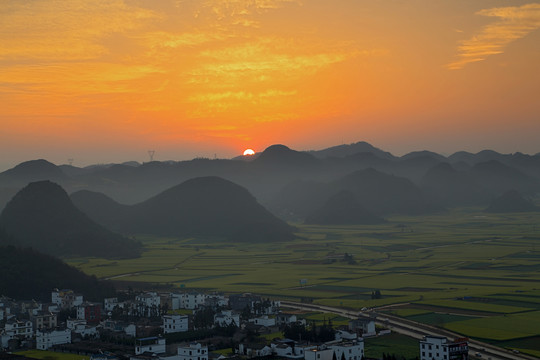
(30, 171)
(27, 274)
(351, 149)
(379, 193)
(497, 178)
(450, 187)
(204, 206)
(43, 217)
(423, 154)
(383, 194)
(511, 201)
(342, 209)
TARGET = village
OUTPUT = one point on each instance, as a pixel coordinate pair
(189, 326)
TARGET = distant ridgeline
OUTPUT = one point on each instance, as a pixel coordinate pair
(294, 185)
(43, 217)
(205, 206)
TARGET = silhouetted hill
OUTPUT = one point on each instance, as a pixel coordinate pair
(43, 217)
(511, 201)
(27, 274)
(204, 206)
(351, 149)
(30, 171)
(282, 156)
(343, 209)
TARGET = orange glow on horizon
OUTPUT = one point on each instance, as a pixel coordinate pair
(206, 77)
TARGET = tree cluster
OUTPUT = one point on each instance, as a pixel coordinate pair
(28, 274)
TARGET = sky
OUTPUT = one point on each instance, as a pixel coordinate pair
(106, 81)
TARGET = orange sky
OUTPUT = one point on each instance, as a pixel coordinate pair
(105, 81)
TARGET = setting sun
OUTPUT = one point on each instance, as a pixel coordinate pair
(249, 152)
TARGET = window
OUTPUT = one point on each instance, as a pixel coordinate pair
(423, 346)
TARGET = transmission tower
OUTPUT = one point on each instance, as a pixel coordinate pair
(151, 154)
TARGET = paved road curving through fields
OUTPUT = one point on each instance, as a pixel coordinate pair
(416, 330)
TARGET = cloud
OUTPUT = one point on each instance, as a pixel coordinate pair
(514, 23)
(261, 61)
(63, 30)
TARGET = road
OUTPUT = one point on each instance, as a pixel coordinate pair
(416, 330)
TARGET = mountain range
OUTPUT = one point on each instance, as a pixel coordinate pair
(293, 184)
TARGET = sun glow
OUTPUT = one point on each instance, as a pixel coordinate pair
(249, 152)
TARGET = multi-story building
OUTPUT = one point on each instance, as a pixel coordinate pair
(193, 351)
(91, 312)
(154, 345)
(44, 320)
(349, 350)
(48, 338)
(175, 323)
(440, 348)
(21, 329)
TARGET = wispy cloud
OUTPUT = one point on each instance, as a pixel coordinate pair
(263, 60)
(63, 30)
(514, 23)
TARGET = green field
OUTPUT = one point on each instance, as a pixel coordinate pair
(482, 270)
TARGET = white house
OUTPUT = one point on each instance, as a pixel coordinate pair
(155, 345)
(20, 329)
(175, 323)
(149, 299)
(226, 318)
(348, 350)
(263, 321)
(193, 351)
(439, 348)
(47, 339)
(193, 300)
(319, 353)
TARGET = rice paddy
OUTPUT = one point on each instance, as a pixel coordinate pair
(480, 270)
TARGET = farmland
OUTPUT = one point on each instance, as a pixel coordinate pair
(470, 272)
